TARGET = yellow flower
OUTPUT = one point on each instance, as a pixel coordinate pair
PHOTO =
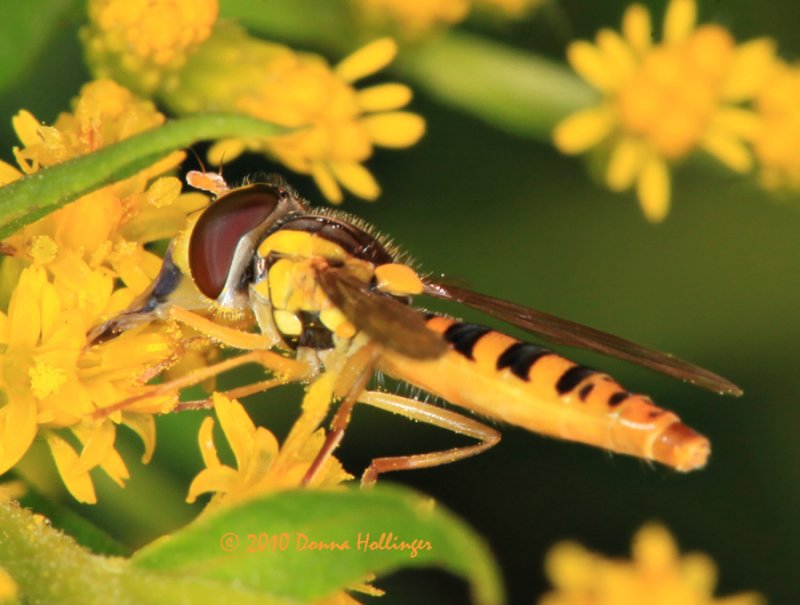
(51, 381)
(417, 17)
(777, 140)
(262, 466)
(662, 101)
(193, 64)
(141, 42)
(657, 575)
(337, 124)
(109, 226)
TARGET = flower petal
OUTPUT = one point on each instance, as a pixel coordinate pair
(207, 448)
(728, 149)
(653, 189)
(679, 20)
(383, 97)
(395, 129)
(27, 128)
(751, 63)
(367, 60)
(356, 179)
(591, 65)
(79, 484)
(218, 479)
(654, 548)
(97, 445)
(619, 57)
(18, 423)
(624, 164)
(144, 425)
(327, 184)
(583, 129)
(637, 29)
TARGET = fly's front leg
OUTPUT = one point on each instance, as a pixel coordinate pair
(429, 414)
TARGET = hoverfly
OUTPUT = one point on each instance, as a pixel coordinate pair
(321, 286)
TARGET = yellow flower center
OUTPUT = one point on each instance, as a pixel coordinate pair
(158, 30)
(45, 379)
(670, 99)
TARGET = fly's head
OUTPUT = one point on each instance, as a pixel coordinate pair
(223, 242)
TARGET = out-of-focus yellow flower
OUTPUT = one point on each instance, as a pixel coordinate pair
(337, 124)
(777, 140)
(417, 17)
(261, 466)
(662, 101)
(657, 575)
(142, 42)
(219, 67)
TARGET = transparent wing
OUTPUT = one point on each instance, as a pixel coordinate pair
(568, 333)
(386, 320)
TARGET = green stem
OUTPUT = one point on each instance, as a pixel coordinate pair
(29, 198)
(508, 88)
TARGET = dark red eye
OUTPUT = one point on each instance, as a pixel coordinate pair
(218, 231)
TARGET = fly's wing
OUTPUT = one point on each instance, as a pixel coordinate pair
(568, 333)
(386, 320)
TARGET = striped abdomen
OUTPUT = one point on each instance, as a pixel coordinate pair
(524, 384)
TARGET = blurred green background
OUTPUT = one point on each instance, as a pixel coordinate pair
(716, 283)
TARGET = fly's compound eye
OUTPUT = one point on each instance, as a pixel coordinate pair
(220, 228)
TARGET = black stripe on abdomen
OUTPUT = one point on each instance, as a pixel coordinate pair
(463, 337)
(572, 378)
(520, 358)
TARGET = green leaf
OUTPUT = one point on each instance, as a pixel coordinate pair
(25, 30)
(49, 567)
(265, 544)
(36, 195)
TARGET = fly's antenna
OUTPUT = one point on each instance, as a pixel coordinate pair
(212, 182)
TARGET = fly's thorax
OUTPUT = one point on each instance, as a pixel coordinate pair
(288, 260)
(299, 309)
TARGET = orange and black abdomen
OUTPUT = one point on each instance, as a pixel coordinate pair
(522, 383)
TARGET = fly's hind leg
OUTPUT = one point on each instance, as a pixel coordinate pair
(351, 382)
(429, 414)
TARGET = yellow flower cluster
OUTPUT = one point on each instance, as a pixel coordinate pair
(695, 89)
(260, 465)
(337, 126)
(141, 42)
(777, 140)
(69, 271)
(417, 17)
(657, 575)
(192, 63)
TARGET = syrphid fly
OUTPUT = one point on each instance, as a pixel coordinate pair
(321, 286)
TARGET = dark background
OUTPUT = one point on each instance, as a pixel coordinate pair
(716, 283)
